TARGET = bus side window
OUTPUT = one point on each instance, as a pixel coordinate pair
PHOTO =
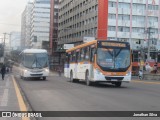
(82, 54)
(71, 57)
(77, 57)
(87, 53)
(92, 52)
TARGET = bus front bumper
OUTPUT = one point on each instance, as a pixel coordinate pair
(104, 78)
(28, 73)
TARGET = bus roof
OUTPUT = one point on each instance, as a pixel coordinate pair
(90, 43)
(82, 45)
(34, 51)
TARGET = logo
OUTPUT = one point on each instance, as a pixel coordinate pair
(6, 114)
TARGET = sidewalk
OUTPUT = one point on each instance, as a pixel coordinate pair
(8, 97)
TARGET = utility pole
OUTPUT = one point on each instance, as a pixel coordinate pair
(4, 38)
(148, 31)
(149, 38)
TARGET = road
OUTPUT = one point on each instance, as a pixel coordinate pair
(58, 94)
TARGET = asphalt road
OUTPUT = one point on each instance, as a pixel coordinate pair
(58, 94)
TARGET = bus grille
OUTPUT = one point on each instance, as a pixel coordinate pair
(114, 78)
(35, 71)
(36, 74)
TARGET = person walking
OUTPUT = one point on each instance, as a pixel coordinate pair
(156, 68)
(59, 71)
(140, 75)
(3, 71)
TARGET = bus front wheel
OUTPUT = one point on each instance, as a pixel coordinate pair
(118, 84)
(88, 82)
(71, 77)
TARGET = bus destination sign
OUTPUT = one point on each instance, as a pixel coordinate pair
(113, 44)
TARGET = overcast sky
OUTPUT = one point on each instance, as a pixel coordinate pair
(10, 15)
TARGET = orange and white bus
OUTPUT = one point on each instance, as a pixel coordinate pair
(99, 61)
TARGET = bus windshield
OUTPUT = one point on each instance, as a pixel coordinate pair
(35, 60)
(113, 58)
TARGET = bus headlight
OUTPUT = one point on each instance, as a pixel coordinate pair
(46, 70)
(128, 73)
(25, 70)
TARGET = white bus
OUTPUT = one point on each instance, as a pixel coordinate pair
(99, 61)
(34, 64)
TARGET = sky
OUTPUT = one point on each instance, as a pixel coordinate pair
(10, 15)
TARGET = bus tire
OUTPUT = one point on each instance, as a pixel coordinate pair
(118, 84)
(71, 77)
(44, 78)
(88, 82)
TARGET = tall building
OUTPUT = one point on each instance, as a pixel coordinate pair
(40, 24)
(135, 21)
(54, 26)
(15, 40)
(26, 26)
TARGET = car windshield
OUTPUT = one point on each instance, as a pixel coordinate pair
(36, 60)
(118, 58)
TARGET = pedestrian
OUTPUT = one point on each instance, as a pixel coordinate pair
(148, 68)
(59, 71)
(140, 75)
(156, 68)
(3, 71)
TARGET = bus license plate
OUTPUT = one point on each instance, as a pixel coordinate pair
(113, 79)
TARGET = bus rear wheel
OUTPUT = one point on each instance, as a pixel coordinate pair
(118, 84)
(88, 82)
(71, 77)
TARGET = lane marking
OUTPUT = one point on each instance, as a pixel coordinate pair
(137, 81)
(20, 99)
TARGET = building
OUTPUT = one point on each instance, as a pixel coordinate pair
(15, 41)
(135, 21)
(40, 24)
(26, 26)
(54, 26)
(56, 61)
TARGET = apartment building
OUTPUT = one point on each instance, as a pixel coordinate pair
(40, 24)
(135, 21)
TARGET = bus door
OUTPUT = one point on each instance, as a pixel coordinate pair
(76, 64)
(86, 65)
(79, 64)
(92, 60)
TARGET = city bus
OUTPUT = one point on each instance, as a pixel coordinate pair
(34, 64)
(99, 61)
